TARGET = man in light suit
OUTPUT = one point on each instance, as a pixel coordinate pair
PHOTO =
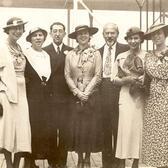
(110, 93)
(59, 95)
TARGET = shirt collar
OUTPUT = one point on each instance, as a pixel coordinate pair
(113, 46)
(55, 46)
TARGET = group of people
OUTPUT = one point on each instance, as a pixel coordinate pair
(58, 99)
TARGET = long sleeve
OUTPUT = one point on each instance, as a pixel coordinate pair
(97, 74)
(7, 74)
(159, 69)
(67, 72)
(115, 77)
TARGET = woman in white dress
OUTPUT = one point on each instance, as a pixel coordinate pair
(15, 133)
(129, 73)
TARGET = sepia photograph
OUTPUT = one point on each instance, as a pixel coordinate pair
(83, 84)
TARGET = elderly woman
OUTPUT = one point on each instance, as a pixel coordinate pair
(37, 73)
(155, 124)
(83, 67)
(129, 75)
(15, 134)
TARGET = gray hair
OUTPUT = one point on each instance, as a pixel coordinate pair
(111, 25)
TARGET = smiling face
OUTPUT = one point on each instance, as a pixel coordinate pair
(134, 41)
(15, 32)
(83, 37)
(110, 34)
(158, 37)
(57, 33)
(37, 39)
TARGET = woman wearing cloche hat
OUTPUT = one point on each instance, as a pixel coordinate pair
(129, 74)
(155, 127)
(83, 67)
(37, 73)
(15, 134)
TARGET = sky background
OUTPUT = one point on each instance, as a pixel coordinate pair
(45, 17)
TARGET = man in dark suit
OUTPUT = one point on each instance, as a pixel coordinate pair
(59, 95)
(110, 93)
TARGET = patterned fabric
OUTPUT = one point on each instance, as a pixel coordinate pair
(132, 65)
(85, 56)
(107, 66)
(18, 58)
(155, 128)
(83, 69)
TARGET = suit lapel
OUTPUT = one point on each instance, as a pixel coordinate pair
(117, 50)
(101, 50)
(51, 51)
(56, 59)
(60, 58)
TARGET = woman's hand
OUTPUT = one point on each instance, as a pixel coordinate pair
(82, 96)
(140, 81)
(129, 80)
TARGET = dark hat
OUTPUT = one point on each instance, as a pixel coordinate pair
(13, 22)
(155, 28)
(36, 29)
(91, 30)
(132, 31)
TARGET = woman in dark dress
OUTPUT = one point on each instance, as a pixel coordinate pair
(83, 67)
(37, 73)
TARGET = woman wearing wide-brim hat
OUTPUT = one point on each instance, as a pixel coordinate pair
(83, 67)
(15, 132)
(91, 30)
(129, 74)
(155, 28)
(37, 74)
(14, 22)
(155, 127)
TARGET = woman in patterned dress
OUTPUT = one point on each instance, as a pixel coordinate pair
(15, 133)
(129, 75)
(155, 124)
(83, 67)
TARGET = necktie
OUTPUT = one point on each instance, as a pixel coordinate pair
(58, 50)
(108, 63)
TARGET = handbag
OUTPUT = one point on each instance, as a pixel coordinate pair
(147, 82)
